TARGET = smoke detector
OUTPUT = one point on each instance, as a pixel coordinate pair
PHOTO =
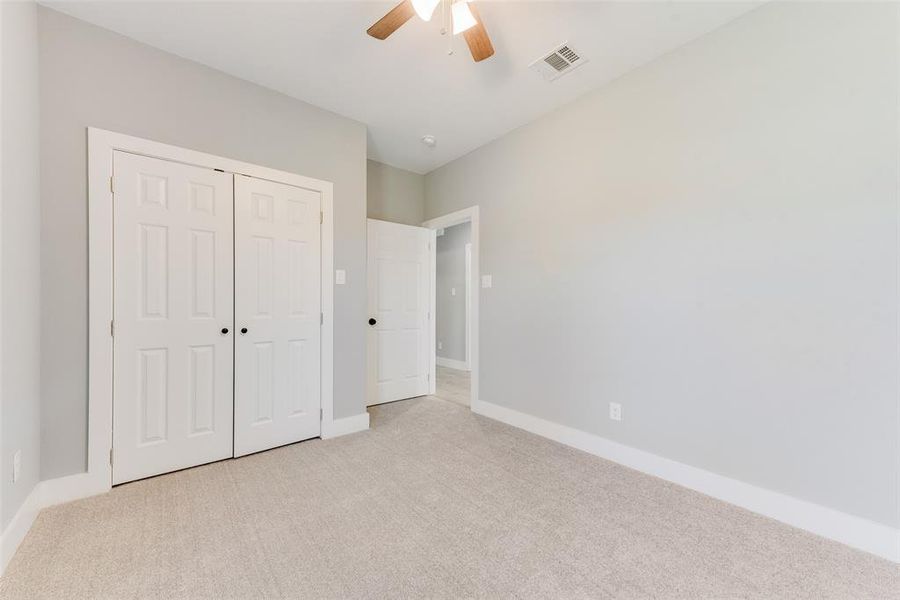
(558, 62)
(429, 140)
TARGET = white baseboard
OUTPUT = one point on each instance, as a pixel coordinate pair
(345, 426)
(46, 493)
(18, 528)
(450, 363)
(876, 538)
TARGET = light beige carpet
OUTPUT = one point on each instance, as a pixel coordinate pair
(432, 502)
(453, 385)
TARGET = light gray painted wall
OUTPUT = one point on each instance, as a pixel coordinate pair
(92, 77)
(394, 194)
(20, 230)
(450, 311)
(712, 241)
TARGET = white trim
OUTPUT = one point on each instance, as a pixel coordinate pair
(339, 427)
(19, 526)
(101, 145)
(876, 538)
(468, 215)
(469, 306)
(46, 493)
(452, 363)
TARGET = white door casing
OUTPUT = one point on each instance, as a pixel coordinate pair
(401, 266)
(173, 299)
(278, 302)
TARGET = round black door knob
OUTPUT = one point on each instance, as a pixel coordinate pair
(224, 331)
(243, 330)
(372, 321)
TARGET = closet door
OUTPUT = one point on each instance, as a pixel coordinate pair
(277, 307)
(173, 306)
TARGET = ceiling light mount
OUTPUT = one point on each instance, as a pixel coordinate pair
(429, 140)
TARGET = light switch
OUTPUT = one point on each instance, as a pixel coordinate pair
(340, 277)
(452, 291)
(487, 281)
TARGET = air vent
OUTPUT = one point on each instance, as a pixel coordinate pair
(558, 62)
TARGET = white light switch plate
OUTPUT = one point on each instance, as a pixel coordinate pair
(615, 411)
(487, 281)
(340, 277)
(17, 465)
(452, 291)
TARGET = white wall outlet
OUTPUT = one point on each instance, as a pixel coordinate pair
(440, 345)
(615, 411)
(17, 465)
(487, 281)
(340, 277)
(452, 291)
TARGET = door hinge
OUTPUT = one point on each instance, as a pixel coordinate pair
(321, 218)
(321, 318)
(321, 414)
(110, 457)
(112, 328)
(112, 188)
(428, 377)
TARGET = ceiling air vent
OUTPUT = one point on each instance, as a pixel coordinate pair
(558, 62)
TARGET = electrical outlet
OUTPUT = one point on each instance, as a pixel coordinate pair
(17, 465)
(487, 281)
(615, 411)
(440, 345)
(340, 277)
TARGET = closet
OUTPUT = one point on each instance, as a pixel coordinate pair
(217, 313)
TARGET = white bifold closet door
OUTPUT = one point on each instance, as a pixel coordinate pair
(217, 313)
(173, 307)
(278, 307)
(401, 329)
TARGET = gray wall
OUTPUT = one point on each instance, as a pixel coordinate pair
(450, 311)
(20, 254)
(394, 194)
(92, 77)
(712, 241)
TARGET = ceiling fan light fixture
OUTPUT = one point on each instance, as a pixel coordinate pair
(463, 18)
(425, 8)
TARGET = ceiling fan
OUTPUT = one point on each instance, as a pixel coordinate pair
(463, 14)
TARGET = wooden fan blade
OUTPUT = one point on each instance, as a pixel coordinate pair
(477, 38)
(392, 21)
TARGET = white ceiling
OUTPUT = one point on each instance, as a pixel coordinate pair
(408, 86)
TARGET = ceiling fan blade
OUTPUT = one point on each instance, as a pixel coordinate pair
(392, 21)
(477, 38)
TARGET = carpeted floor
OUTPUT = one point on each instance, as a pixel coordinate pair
(453, 385)
(432, 502)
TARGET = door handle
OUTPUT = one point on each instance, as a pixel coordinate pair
(243, 330)
(372, 321)
(224, 331)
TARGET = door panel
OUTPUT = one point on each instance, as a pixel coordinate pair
(278, 301)
(173, 294)
(401, 265)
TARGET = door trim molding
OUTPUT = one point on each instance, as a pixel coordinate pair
(101, 145)
(468, 215)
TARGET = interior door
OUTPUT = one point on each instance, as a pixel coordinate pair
(278, 307)
(401, 265)
(173, 313)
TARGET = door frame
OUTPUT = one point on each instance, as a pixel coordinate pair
(101, 146)
(469, 215)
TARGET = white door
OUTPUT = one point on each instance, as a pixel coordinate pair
(277, 307)
(401, 273)
(173, 314)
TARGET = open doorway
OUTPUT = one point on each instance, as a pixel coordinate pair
(456, 306)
